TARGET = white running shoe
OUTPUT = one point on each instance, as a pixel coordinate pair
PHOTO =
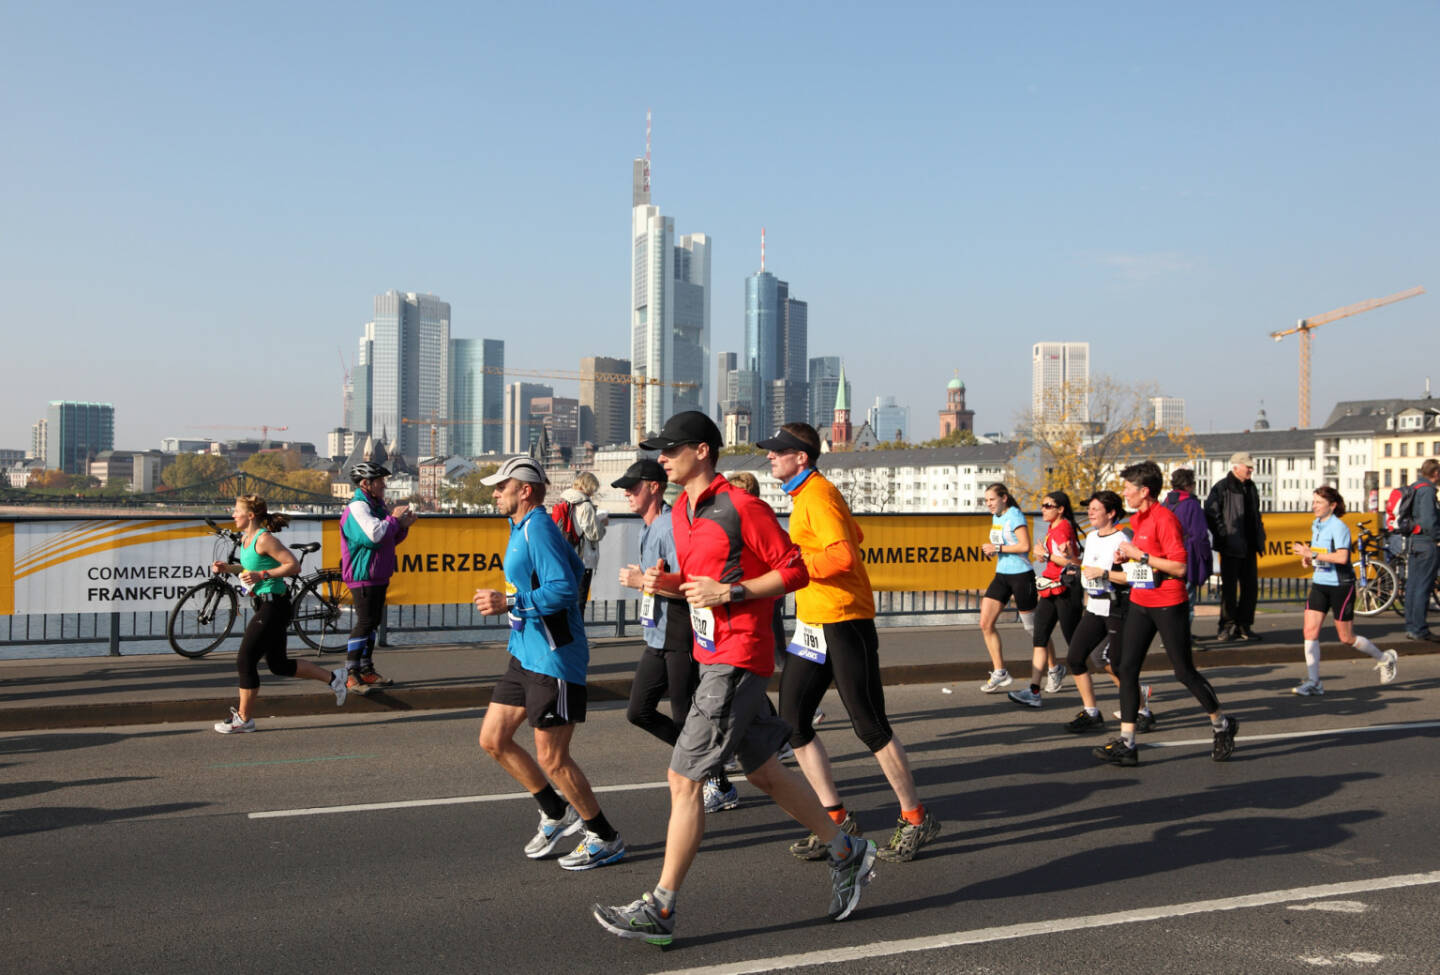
(235, 725)
(551, 832)
(717, 801)
(998, 679)
(337, 684)
(1054, 679)
(1386, 666)
(1027, 697)
(594, 852)
(1309, 688)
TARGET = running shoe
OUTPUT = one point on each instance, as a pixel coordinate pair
(337, 684)
(907, 839)
(811, 847)
(594, 852)
(1144, 721)
(1085, 721)
(1310, 688)
(355, 685)
(785, 754)
(235, 725)
(998, 679)
(643, 920)
(1116, 752)
(374, 678)
(734, 764)
(1225, 740)
(717, 801)
(1055, 679)
(849, 876)
(551, 832)
(1386, 666)
(1026, 698)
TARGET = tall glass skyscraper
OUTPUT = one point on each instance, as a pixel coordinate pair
(825, 372)
(75, 432)
(776, 340)
(477, 396)
(409, 370)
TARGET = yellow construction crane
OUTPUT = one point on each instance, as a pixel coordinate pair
(1306, 325)
(641, 383)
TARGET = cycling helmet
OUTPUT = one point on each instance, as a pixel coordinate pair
(365, 471)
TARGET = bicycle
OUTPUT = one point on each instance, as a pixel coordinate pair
(1376, 583)
(204, 615)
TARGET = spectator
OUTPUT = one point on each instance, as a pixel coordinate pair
(1233, 513)
(1198, 556)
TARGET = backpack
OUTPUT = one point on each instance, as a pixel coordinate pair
(1404, 508)
(564, 518)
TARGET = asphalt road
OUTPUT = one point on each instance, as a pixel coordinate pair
(168, 848)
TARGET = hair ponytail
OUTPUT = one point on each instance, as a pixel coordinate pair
(255, 504)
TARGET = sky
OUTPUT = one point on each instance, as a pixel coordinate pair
(199, 202)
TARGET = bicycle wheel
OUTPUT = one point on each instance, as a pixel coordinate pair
(202, 618)
(324, 612)
(1374, 588)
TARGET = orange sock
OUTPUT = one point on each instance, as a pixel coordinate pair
(914, 816)
(838, 815)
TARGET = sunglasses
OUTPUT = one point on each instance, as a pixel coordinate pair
(1048, 505)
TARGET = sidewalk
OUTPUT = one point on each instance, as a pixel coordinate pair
(75, 692)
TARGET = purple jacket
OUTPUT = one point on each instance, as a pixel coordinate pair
(1198, 557)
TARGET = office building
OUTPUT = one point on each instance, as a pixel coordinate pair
(358, 418)
(520, 430)
(408, 347)
(889, 420)
(726, 363)
(824, 383)
(604, 406)
(559, 417)
(776, 341)
(1168, 412)
(76, 432)
(1060, 371)
(477, 396)
(38, 440)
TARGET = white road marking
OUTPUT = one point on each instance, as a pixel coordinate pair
(883, 949)
(447, 801)
(1299, 734)
(1334, 907)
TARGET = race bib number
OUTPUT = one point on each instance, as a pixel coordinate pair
(1099, 586)
(1139, 575)
(997, 536)
(702, 621)
(808, 643)
(649, 617)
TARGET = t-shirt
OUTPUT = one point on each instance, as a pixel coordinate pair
(1158, 534)
(1100, 553)
(1331, 535)
(1002, 532)
(1060, 537)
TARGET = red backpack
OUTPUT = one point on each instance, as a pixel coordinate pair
(564, 518)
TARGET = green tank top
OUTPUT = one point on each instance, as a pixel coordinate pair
(253, 560)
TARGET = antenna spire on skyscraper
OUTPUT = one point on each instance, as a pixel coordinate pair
(762, 248)
(647, 152)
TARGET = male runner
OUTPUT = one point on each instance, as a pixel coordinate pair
(835, 639)
(735, 559)
(545, 681)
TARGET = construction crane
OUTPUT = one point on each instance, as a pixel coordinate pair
(641, 384)
(263, 428)
(1306, 325)
(435, 423)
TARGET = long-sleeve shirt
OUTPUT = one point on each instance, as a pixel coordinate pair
(368, 536)
(829, 539)
(547, 632)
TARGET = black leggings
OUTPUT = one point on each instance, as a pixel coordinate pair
(265, 637)
(1173, 625)
(852, 661)
(1090, 633)
(1065, 609)
(663, 673)
(369, 611)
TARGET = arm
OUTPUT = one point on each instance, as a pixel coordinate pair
(370, 529)
(1425, 515)
(1214, 510)
(835, 554)
(269, 545)
(550, 555)
(587, 525)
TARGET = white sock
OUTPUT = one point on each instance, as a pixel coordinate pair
(1312, 659)
(1027, 620)
(1368, 648)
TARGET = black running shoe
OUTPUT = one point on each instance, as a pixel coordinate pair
(1225, 740)
(1145, 721)
(1085, 721)
(1116, 752)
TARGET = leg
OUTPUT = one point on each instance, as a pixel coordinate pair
(1229, 582)
(1420, 579)
(1173, 622)
(855, 654)
(497, 737)
(1249, 569)
(247, 664)
(686, 829)
(649, 685)
(803, 684)
(552, 752)
(989, 613)
(794, 795)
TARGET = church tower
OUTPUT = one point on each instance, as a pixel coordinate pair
(841, 433)
(955, 416)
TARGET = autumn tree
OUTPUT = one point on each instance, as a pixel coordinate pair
(468, 492)
(955, 438)
(191, 469)
(1086, 435)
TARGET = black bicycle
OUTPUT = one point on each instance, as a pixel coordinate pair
(205, 613)
(1376, 582)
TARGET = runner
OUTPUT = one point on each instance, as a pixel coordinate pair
(1008, 544)
(1060, 597)
(1155, 569)
(735, 560)
(545, 681)
(368, 536)
(264, 563)
(667, 668)
(1332, 589)
(835, 640)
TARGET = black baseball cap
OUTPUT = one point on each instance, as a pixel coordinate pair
(641, 470)
(692, 426)
(785, 440)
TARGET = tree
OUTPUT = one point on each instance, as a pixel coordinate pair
(468, 492)
(191, 469)
(50, 480)
(955, 438)
(740, 449)
(1086, 436)
(272, 465)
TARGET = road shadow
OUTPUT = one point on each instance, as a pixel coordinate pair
(14, 790)
(47, 818)
(59, 741)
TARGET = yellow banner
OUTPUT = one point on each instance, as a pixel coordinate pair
(1283, 529)
(910, 553)
(441, 560)
(7, 569)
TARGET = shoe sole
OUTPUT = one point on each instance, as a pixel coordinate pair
(1128, 761)
(1299, 693)
(892, 856)
(1089, 727)
(659, 940)
(724, 807)
(1230, 750)
(570, 830)
(615, 857)
(995, 688)
(866, 874)
(1024, 704)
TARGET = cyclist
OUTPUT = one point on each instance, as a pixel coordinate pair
(1009, 543)
(264, 564)
(368, 536)
(1060, 600)
(1332, 589)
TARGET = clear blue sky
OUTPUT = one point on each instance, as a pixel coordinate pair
(197, 205)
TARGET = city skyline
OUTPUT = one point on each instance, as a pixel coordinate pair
(1078, 173)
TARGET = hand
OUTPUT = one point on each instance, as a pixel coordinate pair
(219, 568)
(1039, 551)
(990, 550)
(409, 518)
(1301, 549)
(705, 591)
(489, 602)
(1129, 550)
(632, 577)
(1093, 571)
(650, 581)
(399, 512)
(250, 578)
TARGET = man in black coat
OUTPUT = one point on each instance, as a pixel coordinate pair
(1233, 513)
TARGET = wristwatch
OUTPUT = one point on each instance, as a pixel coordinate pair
(737, 593)
(1144, 558)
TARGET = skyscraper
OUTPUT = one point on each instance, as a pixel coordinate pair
(824, 383)
(888, 419)
(725, 364)
(477, 396)
(75, 432)
(1167, 412)
(1060, 370)
(520, 428)
(776, 340)
(669, 308)
(358, 419)
(604, 406)
(409, 343)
